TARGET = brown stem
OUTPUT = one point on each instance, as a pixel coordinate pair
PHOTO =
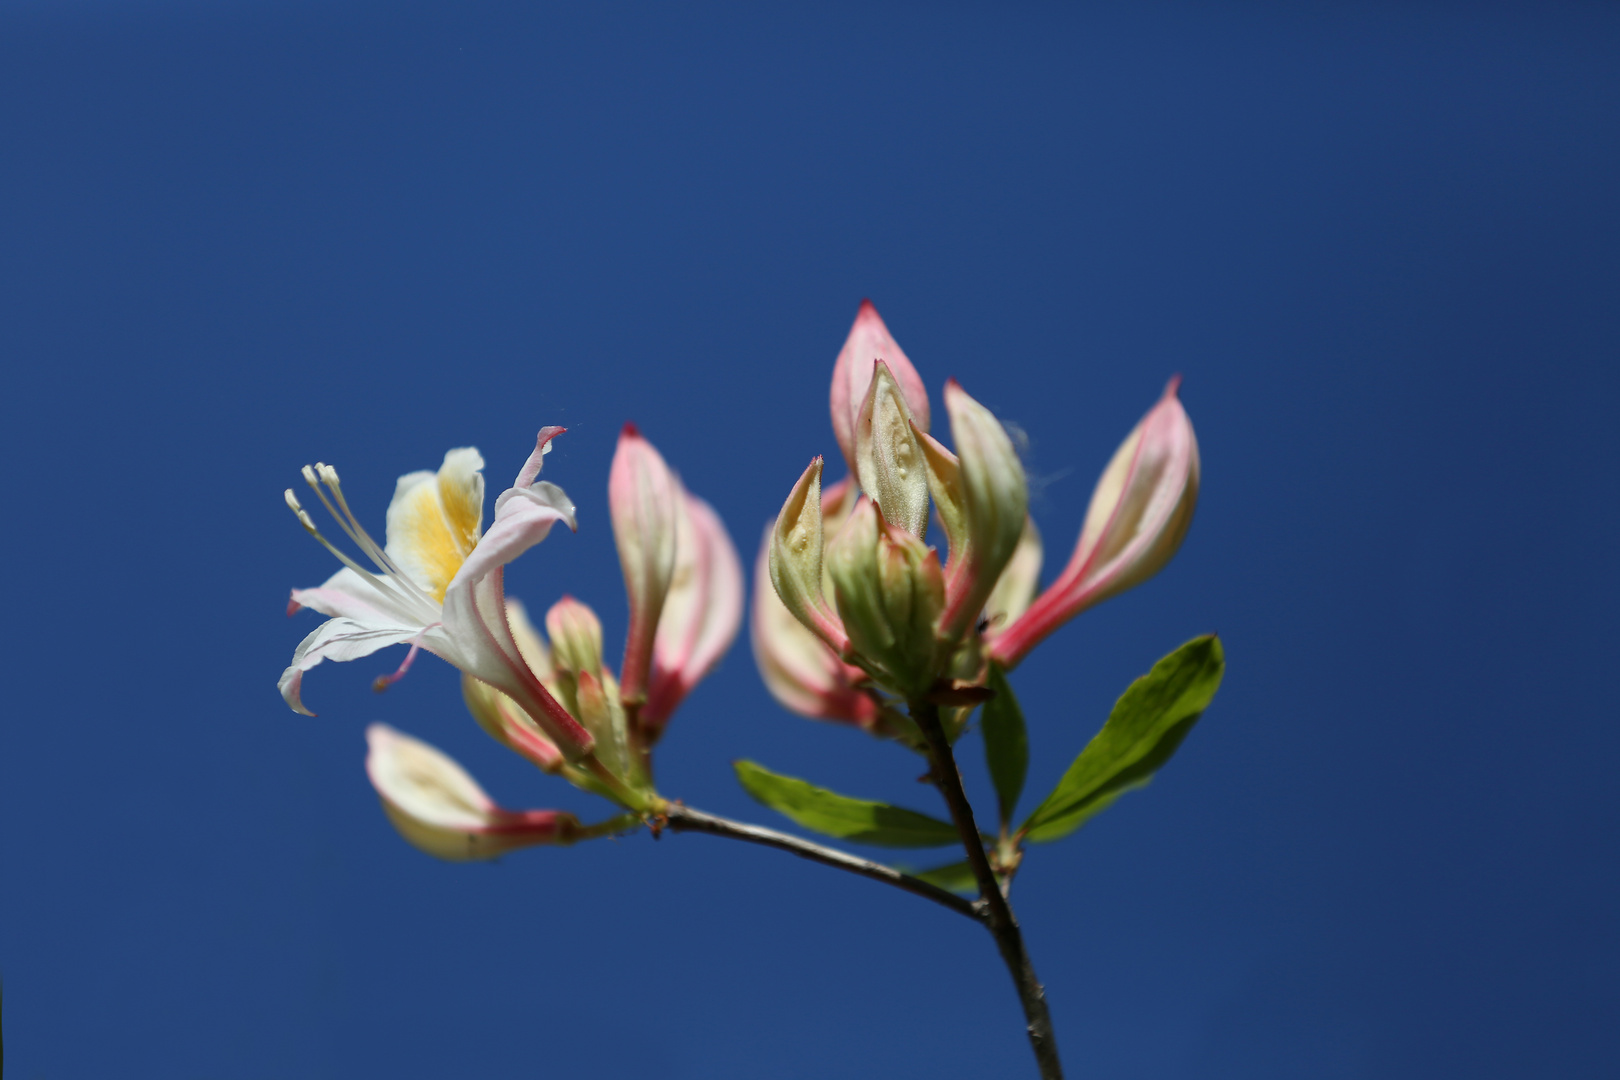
(999, 918)
(685, 819)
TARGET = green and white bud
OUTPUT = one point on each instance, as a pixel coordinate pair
(889, 461)
(796, 545)
(890, 591)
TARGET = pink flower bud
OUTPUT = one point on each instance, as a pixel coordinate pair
(643, 497)
(701, 613)
(868, 341)
(799, 669)
(1139, 513)
(439, 808)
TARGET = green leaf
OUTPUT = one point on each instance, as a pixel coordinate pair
(1006, 744)
(1147, 724)
(954, 877)
(828, 812)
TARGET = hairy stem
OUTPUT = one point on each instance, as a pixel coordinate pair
(685, 819)
(998, 913)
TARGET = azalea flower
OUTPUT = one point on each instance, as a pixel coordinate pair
(437, 582)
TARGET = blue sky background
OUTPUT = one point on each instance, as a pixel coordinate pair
(1381, 242)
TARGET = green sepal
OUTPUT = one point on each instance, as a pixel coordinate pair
(1006, 743)
(1144, 729)
(832, 814)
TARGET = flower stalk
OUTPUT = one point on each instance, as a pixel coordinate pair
(998, 918)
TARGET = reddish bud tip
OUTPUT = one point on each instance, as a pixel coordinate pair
(630, 431)
(1171, 387)
(293, 607)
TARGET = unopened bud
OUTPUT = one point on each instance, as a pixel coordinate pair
(889, 461)
(995, 504)
(870, 340)
(798, 668)
(1139, 514)
(890, 591)
(643, 497)
(440, 809)
(602, 713)
(701, 613)
(576, 637)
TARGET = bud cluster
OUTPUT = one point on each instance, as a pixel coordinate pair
(866, 615)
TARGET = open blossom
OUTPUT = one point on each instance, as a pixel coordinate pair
(439, 808)
(1139, 514)
(437, 582)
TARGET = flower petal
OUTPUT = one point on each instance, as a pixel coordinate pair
(434, 519)
(475, 618)
(439, 808)
(348, 594)
(338, 639)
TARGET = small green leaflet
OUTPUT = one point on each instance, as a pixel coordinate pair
(1006, 744)
(953, 877)
(1146, 725)
(828, 812)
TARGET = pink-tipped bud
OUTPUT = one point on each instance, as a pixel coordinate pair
(869, 340)
(796, 559)
(889, 459)
(440, 809)
(701, 613)
(643, 497)
(1139, 514)
(994, 507)
(799, 669)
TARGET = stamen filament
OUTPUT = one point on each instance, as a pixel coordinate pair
(397, 584)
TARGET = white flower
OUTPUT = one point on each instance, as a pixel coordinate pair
(437, 583)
